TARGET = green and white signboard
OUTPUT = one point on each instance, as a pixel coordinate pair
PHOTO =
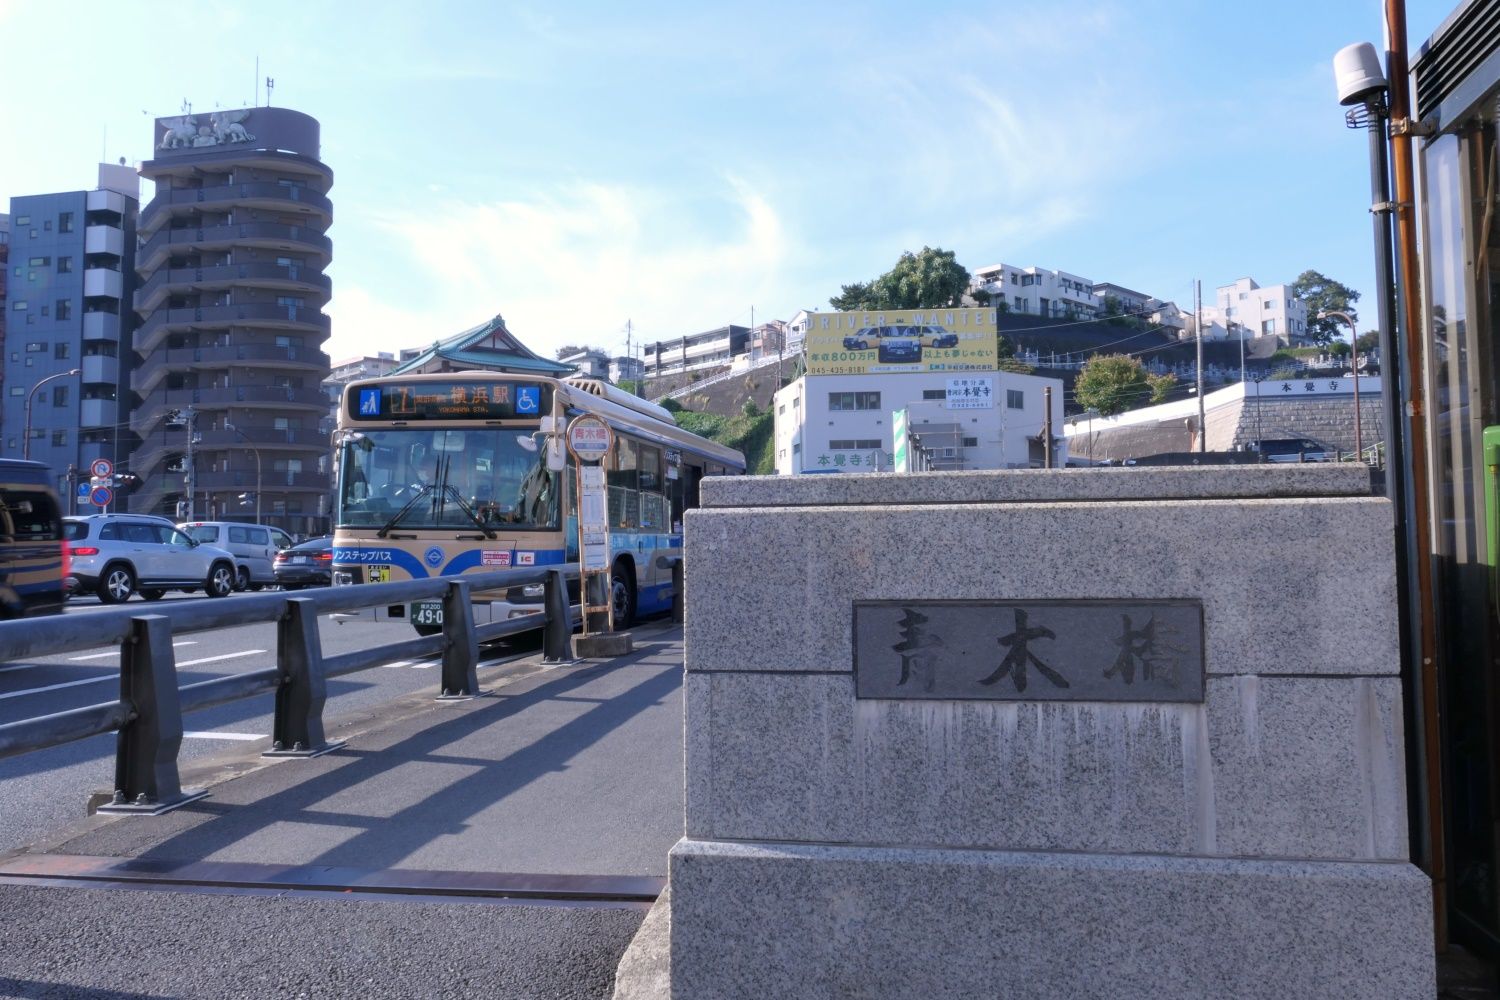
(900, 449)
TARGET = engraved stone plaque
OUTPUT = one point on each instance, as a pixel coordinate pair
(1030, 650)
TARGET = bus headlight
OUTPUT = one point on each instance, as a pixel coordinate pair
(534, 591)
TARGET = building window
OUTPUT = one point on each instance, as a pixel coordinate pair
(853, 444)
(65, 222)
(854, 400)
(1015, 399)
(292, 301)
(59, 438)
(60, 395)
(45, 311)
(18, 306)
(17, 390)
(1269, 304)
(40, 261)
(1269, 326)
(64, 309)
(65, 265)
(46, 226)
(934, 393)
(36, 347)
(971, 442)
(1244, 296)
(62, 350)
(23, 220)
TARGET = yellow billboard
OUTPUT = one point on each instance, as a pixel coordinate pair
(883, 341)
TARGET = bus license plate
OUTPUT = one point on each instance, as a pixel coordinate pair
(427, 613)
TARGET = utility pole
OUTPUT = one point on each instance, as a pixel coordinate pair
(1047, 427)
(1198, 322)
(192, 479)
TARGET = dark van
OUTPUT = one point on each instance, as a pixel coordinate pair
(33, 559)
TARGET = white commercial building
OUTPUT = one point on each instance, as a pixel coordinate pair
(964, 420)
(1036, 291)
(1247, 311)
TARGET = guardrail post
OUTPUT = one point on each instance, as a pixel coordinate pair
(146, 778)
(557, 636)
(298, 729)
(679, 596)
(461, 655)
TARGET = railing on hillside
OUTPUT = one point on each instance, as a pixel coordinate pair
(692, 387)
(148, 714)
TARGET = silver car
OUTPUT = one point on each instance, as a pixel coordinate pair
(116, 555)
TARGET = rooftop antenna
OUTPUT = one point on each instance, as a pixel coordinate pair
(270, 86)
(256, 81)
(187, 106)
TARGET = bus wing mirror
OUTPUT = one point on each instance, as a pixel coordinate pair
(557, 457)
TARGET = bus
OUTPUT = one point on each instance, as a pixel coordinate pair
(448, 473)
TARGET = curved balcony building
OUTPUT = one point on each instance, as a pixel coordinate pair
(229, 344)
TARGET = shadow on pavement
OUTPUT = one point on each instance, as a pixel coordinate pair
(497, 751)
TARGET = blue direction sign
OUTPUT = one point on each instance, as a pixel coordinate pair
(101, 496)
(83, 490)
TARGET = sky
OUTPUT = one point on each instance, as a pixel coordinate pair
(675, 167)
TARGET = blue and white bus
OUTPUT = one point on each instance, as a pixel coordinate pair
(447, 473)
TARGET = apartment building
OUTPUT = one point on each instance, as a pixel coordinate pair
(695, 352)
(230, 361)
(68, 321)
(1036, 291)
(1246, 310)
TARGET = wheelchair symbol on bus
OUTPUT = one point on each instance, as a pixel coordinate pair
(528, 399)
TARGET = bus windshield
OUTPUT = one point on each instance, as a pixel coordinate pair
(488, 479)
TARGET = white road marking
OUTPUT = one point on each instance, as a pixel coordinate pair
(226, 736)
(215, 659)
(116, 652)
(397, 665)
(54, 687)
(116, 677)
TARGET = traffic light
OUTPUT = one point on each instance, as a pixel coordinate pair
(126, 483)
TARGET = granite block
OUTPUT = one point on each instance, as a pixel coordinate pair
(777, 920)
(1039, 485)
(1267, 767)
(1287, 586)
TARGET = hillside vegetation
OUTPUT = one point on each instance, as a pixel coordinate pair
(749, 432)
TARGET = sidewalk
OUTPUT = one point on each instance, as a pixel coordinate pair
(339, 875)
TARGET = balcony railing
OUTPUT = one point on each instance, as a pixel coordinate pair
(157, 403)
(274, 234)
(260, 314)
(101, 326)
(256, 194)
(100, 368)
(227, 275)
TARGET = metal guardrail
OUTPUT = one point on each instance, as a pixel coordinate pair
(148, 714)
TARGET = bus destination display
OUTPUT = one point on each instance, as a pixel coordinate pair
(449, 401)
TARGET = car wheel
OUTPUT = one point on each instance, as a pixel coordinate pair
(220, 580)
(152, 594)
(116, 584)
(622, 596)
(242, 578)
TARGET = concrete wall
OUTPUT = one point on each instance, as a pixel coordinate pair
(1251, 844)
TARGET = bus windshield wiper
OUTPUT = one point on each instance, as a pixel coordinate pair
(451, 493)
(421, 492)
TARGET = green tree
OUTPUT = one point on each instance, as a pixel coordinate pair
(567, 349)
(930, 279)
(1321, 294)
(1112, 383)
(1369, 340)
(1161, 385)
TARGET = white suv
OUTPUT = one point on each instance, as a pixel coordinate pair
(115, 555)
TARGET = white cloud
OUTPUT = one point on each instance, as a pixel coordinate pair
(568, 266)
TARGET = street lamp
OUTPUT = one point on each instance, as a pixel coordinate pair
(1353, 367)
(26, 443)
(230, 426)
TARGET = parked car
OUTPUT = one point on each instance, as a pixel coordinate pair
(254, 547)
(116, 555)
(309, 564)
(938, 337)
(33, 557)
(863, 340)
(898, 350)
